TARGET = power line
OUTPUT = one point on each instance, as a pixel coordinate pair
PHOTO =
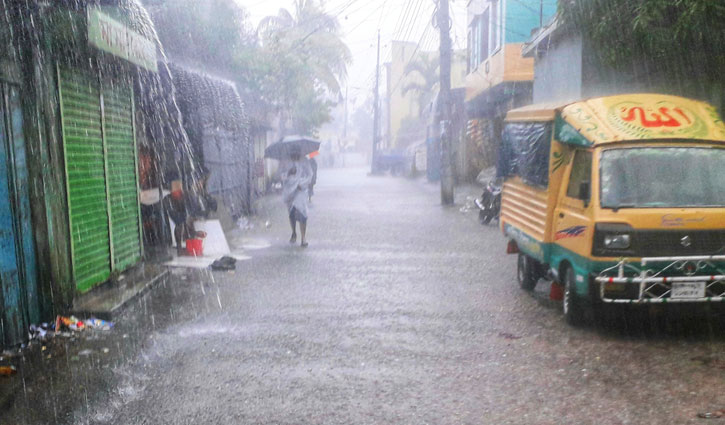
(367, 17)
(412, 56)
(381, 13)
(414, 20)
(409, 16)
(402, 19)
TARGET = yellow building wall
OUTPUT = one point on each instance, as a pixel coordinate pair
(458, 69)
(505, 65)
(401, 106)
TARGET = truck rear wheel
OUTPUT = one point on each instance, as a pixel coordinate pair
(527, 272)
(572, 304)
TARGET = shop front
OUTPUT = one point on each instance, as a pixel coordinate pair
(99, 148)
(69, 197)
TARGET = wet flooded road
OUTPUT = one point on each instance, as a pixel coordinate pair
(400, 311)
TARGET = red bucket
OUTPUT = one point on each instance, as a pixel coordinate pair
(194, 247)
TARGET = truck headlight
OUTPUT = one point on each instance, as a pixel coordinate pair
(617, 241)
(614, 240)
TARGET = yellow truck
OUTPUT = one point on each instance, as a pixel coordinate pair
(620, 199)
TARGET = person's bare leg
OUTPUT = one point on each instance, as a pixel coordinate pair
(293, 238)
(303, 231)
(178, 235)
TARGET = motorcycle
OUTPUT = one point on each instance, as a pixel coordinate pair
(489, 203)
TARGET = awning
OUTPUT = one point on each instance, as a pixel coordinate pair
(492, 101)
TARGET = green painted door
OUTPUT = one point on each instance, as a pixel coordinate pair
(122, 178)
(100, 159)
(80, 100)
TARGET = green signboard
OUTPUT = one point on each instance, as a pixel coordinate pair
(113, 37)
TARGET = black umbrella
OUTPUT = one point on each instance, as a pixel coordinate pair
(284, 148)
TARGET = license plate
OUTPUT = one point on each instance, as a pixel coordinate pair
(688, 289)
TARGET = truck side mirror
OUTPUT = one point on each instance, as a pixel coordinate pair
(584, 189)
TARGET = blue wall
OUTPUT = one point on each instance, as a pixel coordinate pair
(522, 16)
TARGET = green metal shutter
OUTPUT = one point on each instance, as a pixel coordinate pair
(80, 103)
(122, 178)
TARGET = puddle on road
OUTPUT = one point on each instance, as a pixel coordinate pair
(251, 244)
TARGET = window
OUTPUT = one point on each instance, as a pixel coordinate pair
(483, 36)
(581, 172)
(495, 26)
(662, 177)
(478, 36)
(473, 43)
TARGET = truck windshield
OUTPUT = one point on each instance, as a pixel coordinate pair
(662, 177)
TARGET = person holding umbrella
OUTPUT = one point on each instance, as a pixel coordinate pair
(296, 175)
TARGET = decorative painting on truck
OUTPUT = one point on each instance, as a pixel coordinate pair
(570, 232)
(642, 117)
(659, 119)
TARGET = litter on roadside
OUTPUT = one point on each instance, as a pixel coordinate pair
(39, 331)
(468, 205)
(244, 223)
(99, 324)
(507, 335)
(74, 324)
(71, 323)
(224, 263)
(8, 370)
(712, 415)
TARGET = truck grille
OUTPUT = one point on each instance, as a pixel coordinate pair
(663, 243)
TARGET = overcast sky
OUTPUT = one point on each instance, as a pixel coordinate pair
(360, 20)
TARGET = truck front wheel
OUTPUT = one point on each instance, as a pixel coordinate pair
(527, 272)
(572, 304)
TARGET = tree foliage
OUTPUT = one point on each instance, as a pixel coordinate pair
(425, 66)
(291, 65)
(309, 40)
(207, 31)
(683, 39)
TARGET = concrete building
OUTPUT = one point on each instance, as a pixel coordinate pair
(499, 78)
(400, 106)
(82, 95)
(567, 68)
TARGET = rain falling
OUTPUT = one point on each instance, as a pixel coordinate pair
(362, 212)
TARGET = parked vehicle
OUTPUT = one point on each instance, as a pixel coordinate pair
(390, 161)
(621, 199)
(489, 204)
(415, 158)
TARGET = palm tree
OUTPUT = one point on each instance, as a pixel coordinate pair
(313, 36)
(425, 66)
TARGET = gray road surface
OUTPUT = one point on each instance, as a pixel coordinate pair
(399, 312)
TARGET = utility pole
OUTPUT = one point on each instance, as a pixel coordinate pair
(444, 103)
(376, 112)
(344, 128)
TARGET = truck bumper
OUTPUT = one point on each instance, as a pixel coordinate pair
(695, 279)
